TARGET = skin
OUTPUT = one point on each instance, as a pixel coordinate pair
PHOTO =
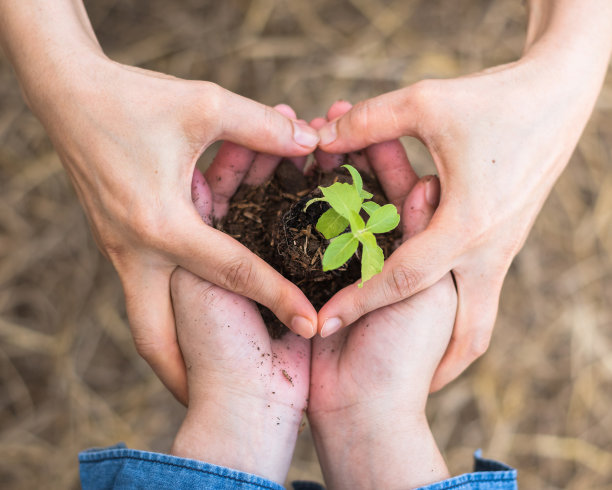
(368, 418)
(247, 392)
(129, 140)
(370, 382)
(499, 139)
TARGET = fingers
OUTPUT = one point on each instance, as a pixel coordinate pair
(324, 160)
(419, 206)
(225, 174)
(151, 317)
(476, 313)
(218, 258)
(382, 118)
(358, 158)
(261, 128)
(392, 169)
(328, 161)
(201, 195)
(264, 164)
(415, 265)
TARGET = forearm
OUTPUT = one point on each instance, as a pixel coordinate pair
(574, 36)
(42, 39)
(385, 449)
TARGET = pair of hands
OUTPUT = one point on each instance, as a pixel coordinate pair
(364, 388)
(129, 139)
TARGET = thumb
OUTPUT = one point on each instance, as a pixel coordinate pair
(262, 128)
(375, 120)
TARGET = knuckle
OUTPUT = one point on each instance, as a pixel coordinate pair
(151, 349)
(148, 227)
(404, 280)
(210, 97)
(478, 346)
(180, 281)
(237, 275)
(422, 98)
(359, 118)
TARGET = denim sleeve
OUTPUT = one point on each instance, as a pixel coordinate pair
(487, 475)
(118, 467)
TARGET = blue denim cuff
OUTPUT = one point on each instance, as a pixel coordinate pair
(487, 475)
(117, 467)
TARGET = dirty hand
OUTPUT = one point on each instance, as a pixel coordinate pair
(247, 392)
(370, 382)
(499, 140)
(129, 140)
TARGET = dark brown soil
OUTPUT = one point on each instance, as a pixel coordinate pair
(270, 220)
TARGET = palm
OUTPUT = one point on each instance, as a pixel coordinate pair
(226, 343)
(395, 349)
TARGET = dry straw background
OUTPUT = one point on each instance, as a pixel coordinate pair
(70, 378)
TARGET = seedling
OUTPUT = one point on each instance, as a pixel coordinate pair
(346, 201)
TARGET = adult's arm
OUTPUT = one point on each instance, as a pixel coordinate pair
(499, 139)
(129, 140)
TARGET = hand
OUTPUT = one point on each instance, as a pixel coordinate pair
(129, 139)
(499, 140)
(247, 393)
(370, 382)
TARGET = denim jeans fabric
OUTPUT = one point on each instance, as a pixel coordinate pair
(118, 467)
(487, 475)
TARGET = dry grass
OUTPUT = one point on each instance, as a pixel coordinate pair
(70, 377)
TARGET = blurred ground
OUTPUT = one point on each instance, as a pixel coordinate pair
(69, 375)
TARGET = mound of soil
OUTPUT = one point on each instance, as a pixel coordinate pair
(270, 220)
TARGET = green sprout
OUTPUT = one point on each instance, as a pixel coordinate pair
(346, 201)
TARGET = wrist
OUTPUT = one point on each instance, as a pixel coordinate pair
(571, 39)
(45, 42)
(376, 447)
(63, 81)
(249, 434)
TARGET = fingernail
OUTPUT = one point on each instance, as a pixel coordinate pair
(331, 326)
(328, 133)
(432, 191)
(303, 326)
(304, 135)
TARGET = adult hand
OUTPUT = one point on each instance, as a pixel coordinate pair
(499, 140)
(129, 140)
(370, 382)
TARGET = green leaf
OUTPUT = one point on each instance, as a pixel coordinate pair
(357, 223)
(384, 219)
(357, 181)
(372, 258)
(343, 197)
(331, 224)
(314, 200)
(370, 206)
(340, 249)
